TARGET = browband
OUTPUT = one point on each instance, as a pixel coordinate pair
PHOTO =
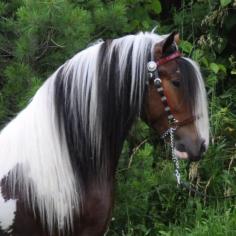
(166, 59)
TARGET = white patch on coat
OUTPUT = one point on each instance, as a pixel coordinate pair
(7, 213)
(37, 155)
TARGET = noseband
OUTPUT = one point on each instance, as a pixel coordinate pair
(173, 123)
(152, 67)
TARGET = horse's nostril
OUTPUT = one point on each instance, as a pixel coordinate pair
(180, 147)
(203, 147)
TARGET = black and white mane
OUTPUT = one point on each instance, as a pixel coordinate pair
(74, 128)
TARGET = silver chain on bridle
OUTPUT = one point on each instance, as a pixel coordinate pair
(153, 74)
(171, 132)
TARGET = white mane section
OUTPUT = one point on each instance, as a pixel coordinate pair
(139, 44)
(32, 144)
(201, 107)
(80, 73)
(7, 213)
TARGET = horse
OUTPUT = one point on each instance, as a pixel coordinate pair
(59, 155)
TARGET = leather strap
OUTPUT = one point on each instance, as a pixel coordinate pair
(166, 59)
(174, 123)
(153, 74)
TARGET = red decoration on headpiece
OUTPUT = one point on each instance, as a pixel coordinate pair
(168, 58)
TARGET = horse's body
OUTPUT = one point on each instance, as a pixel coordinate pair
(58, 157)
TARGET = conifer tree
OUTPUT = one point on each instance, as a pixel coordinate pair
(36, 37)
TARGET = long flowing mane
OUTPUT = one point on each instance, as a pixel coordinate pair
(73, 130)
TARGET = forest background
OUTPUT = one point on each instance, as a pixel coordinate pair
(37, 36)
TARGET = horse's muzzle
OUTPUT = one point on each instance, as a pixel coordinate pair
(190, 152)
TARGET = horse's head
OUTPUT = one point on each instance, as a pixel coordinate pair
(179, 94)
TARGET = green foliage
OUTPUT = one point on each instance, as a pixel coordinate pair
(38, 36)
(225, 2)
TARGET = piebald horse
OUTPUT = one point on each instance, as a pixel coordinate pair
(58, 156)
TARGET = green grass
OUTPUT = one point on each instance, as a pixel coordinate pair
(214, 223)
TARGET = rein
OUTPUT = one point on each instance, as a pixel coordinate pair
(173, 123)
(187, 186)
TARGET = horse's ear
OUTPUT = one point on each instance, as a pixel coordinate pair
(173, 37)
(177, 38)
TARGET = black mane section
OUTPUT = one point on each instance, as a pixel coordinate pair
(189, 82)
(115, 110)
(115, 116)
(78, 145)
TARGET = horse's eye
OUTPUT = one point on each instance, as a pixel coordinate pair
(176, 83)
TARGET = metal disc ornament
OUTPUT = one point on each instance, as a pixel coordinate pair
(151, 66)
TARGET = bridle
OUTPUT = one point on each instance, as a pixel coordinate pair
(153, 74)
(173, 123)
